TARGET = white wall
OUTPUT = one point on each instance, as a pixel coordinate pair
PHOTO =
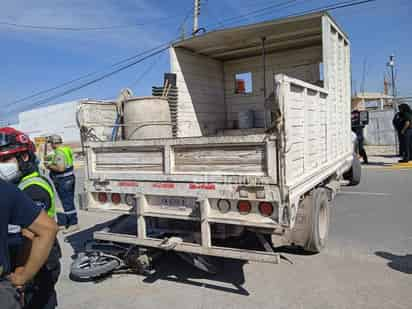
(54, 119)
(201, 109)
(206, 87)
(301, 63)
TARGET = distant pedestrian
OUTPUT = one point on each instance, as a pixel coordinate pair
(406, 132)
(62, 174)
(357, 128)
(398, 124)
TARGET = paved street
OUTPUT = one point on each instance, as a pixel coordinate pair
(368, 264)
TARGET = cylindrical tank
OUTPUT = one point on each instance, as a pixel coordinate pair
(98, 116)
(147, 118)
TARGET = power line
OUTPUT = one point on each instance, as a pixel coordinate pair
(39, 93)
(82, 77)
(246, 16)
(73, 89)
(181, 29)
(98, 79)
(263, 11)
(162, 47)
(149, 68)
(332, 7)
(211, 14)
(70, 28)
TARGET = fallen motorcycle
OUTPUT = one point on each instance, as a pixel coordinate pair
(100, 259)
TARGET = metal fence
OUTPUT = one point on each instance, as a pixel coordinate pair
(380, 130)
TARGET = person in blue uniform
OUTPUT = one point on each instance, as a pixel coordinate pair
(406, 132)
(16, 208)
(17, 152)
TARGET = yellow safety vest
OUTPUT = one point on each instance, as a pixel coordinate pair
(34, 179)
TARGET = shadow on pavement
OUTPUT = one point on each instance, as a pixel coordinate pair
(170, 266)
(78, 240)
(402, 263)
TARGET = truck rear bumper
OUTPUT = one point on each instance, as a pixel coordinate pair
(232, 253)
(201, 244)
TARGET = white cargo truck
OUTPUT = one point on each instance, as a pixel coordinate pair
(261, 142)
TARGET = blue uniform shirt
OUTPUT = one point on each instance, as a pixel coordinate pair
(15, 208)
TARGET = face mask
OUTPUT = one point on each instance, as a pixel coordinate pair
(9, 171)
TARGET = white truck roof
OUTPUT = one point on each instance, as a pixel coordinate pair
(244, 41)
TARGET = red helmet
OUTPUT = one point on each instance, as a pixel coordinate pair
(14, 142)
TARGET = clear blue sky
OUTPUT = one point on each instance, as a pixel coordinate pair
(33, 60)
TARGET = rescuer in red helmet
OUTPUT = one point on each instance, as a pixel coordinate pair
(18, 165)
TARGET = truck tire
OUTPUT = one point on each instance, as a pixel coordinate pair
(87, 267)
(354, 175)
(319, 221)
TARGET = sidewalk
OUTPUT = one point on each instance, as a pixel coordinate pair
(384, 157)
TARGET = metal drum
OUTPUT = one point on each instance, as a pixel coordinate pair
(147, 118)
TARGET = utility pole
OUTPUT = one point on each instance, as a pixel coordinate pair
(364, 75)
(391, 64)
(196, 17)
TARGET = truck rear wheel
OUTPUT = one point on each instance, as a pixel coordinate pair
(355, 173)
(319, 221)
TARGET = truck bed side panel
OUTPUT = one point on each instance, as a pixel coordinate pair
(199, 159)
(312, 130)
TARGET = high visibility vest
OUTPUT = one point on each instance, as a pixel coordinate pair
(67, 154)
(34, 179)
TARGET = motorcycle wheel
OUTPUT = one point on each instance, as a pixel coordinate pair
(92, 265)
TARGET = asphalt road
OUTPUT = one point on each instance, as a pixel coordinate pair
(367, 264)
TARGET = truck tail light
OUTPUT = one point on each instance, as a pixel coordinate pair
(244, 207)
(116, 198)
(266, 209)
(223, 206)
(102, 197)
(130, 200)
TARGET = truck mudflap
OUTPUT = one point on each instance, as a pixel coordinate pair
(180, 246)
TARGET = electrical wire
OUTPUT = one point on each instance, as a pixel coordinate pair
(250, 14)
(263, 11)
(210, 13)
(98, 79)
(73, 89)
(72, 81)
(82, 77)
(279, 8)
(149, 68)
(181, 28)
(334, 6)
(79, 29)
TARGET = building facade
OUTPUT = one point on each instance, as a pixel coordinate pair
(54, 119)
